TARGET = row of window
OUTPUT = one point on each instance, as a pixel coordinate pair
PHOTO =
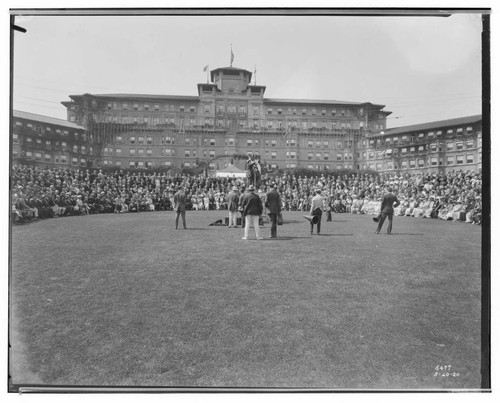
(429, 162)
(164, 140)
(434, 147)
(40, 129)
(321, 156)
(192, 141)
(49, 143)
(421, 136)
(268, 143)
(135, 164)
(293, 142)
(230, 109)
(242, 124)
(378, 166)
(48, 158)
(323, 167)
(290, 154)
(136, 106)
(310, 111)
(150, 164)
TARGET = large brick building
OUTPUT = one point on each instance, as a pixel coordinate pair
(428, 147)
(230, 116)
(49, 142)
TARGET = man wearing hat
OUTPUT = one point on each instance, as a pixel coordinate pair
(232, 206)
(180, 207)
(317, 210)
(243, 193)
(252, 210)
(387, 210)
(273, 204)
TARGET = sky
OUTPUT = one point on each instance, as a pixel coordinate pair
(421, 68)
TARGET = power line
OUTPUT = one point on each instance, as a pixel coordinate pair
(36, 99)
(49, 82)
(38, 105)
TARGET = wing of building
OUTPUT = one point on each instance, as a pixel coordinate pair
(49, 142)
(231, 116)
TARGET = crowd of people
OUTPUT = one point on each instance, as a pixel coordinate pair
(43, 193)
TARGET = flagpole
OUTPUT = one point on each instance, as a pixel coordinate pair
(208, 68)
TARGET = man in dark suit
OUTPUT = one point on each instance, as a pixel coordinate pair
(273, 204)
(389, 201)
(233, 199)
(180, 207)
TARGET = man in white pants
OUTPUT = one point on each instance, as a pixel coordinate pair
(252, 210)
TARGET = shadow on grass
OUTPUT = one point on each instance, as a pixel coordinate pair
(336, 234)
(286, 238)
(402, 233)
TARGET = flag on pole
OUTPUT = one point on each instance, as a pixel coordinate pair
(232, 57)
(206, 69)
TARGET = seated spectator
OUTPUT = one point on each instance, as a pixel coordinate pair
(149, 203)
(428, 208)
(411, 206)
(418, 209)
(118, 204)
(403, 205)
(82, 206)
(17, 214)
(26, 211)
(477, 212)
(446, 208)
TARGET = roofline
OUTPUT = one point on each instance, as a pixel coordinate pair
(137, 96)
(192, 98)
(45, 119)
(436, 124)
(212, 72)
(321, 102)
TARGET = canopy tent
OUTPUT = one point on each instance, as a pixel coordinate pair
(231, 171)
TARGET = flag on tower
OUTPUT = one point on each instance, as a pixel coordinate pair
(232, 56)
(205, 68)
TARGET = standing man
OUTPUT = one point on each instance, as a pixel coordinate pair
(240, 206)
(252, 210)
(389, 201)
(329, 206)
(273, 204)
(317, 209)
(180, 207)
(232, 206)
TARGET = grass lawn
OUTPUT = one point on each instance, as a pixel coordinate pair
(126, 300)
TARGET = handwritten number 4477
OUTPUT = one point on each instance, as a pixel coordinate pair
(444, 370)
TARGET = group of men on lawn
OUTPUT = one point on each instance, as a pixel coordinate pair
(251, 207)
(249, 204)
